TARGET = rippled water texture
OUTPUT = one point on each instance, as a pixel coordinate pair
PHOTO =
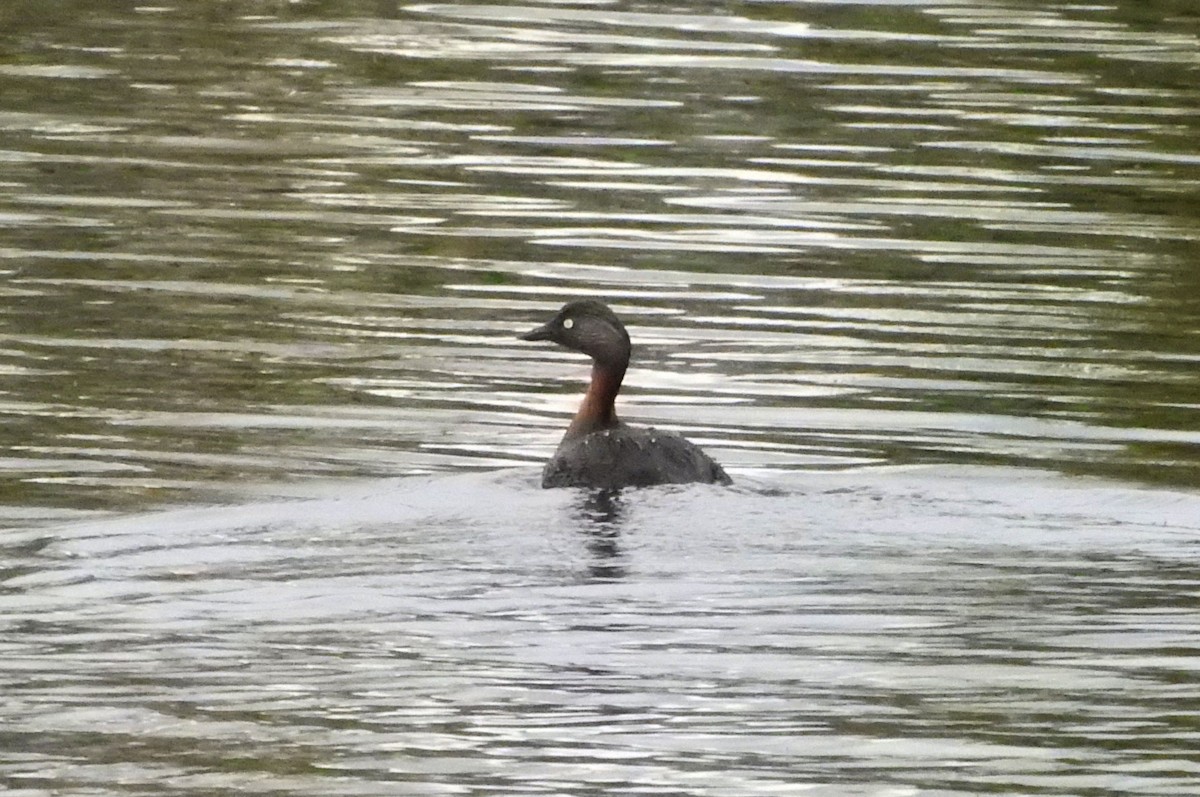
(909, 633)
(923, 276)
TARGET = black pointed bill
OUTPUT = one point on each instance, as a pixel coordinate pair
(544, 332)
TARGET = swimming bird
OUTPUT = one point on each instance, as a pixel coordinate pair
(598, 449)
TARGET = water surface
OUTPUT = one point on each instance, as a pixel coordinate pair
(921, 275)
(243, 242)
(897, 632)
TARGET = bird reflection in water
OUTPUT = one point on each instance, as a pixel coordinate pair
(600, 515)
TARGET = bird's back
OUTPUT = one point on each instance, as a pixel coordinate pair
(625, 456)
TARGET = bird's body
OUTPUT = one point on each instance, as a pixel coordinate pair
(630, 456)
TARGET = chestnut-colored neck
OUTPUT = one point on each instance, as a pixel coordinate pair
(597, 411)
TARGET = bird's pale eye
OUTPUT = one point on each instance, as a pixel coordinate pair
(568, 323)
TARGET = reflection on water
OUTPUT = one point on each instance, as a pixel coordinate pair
(601, 516)
(227, 259)
(288, 243)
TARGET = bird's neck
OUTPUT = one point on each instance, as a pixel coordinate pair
(598, 410)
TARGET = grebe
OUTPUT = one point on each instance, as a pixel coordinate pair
(599, 450)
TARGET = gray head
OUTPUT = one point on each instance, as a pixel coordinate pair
(587, 326)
